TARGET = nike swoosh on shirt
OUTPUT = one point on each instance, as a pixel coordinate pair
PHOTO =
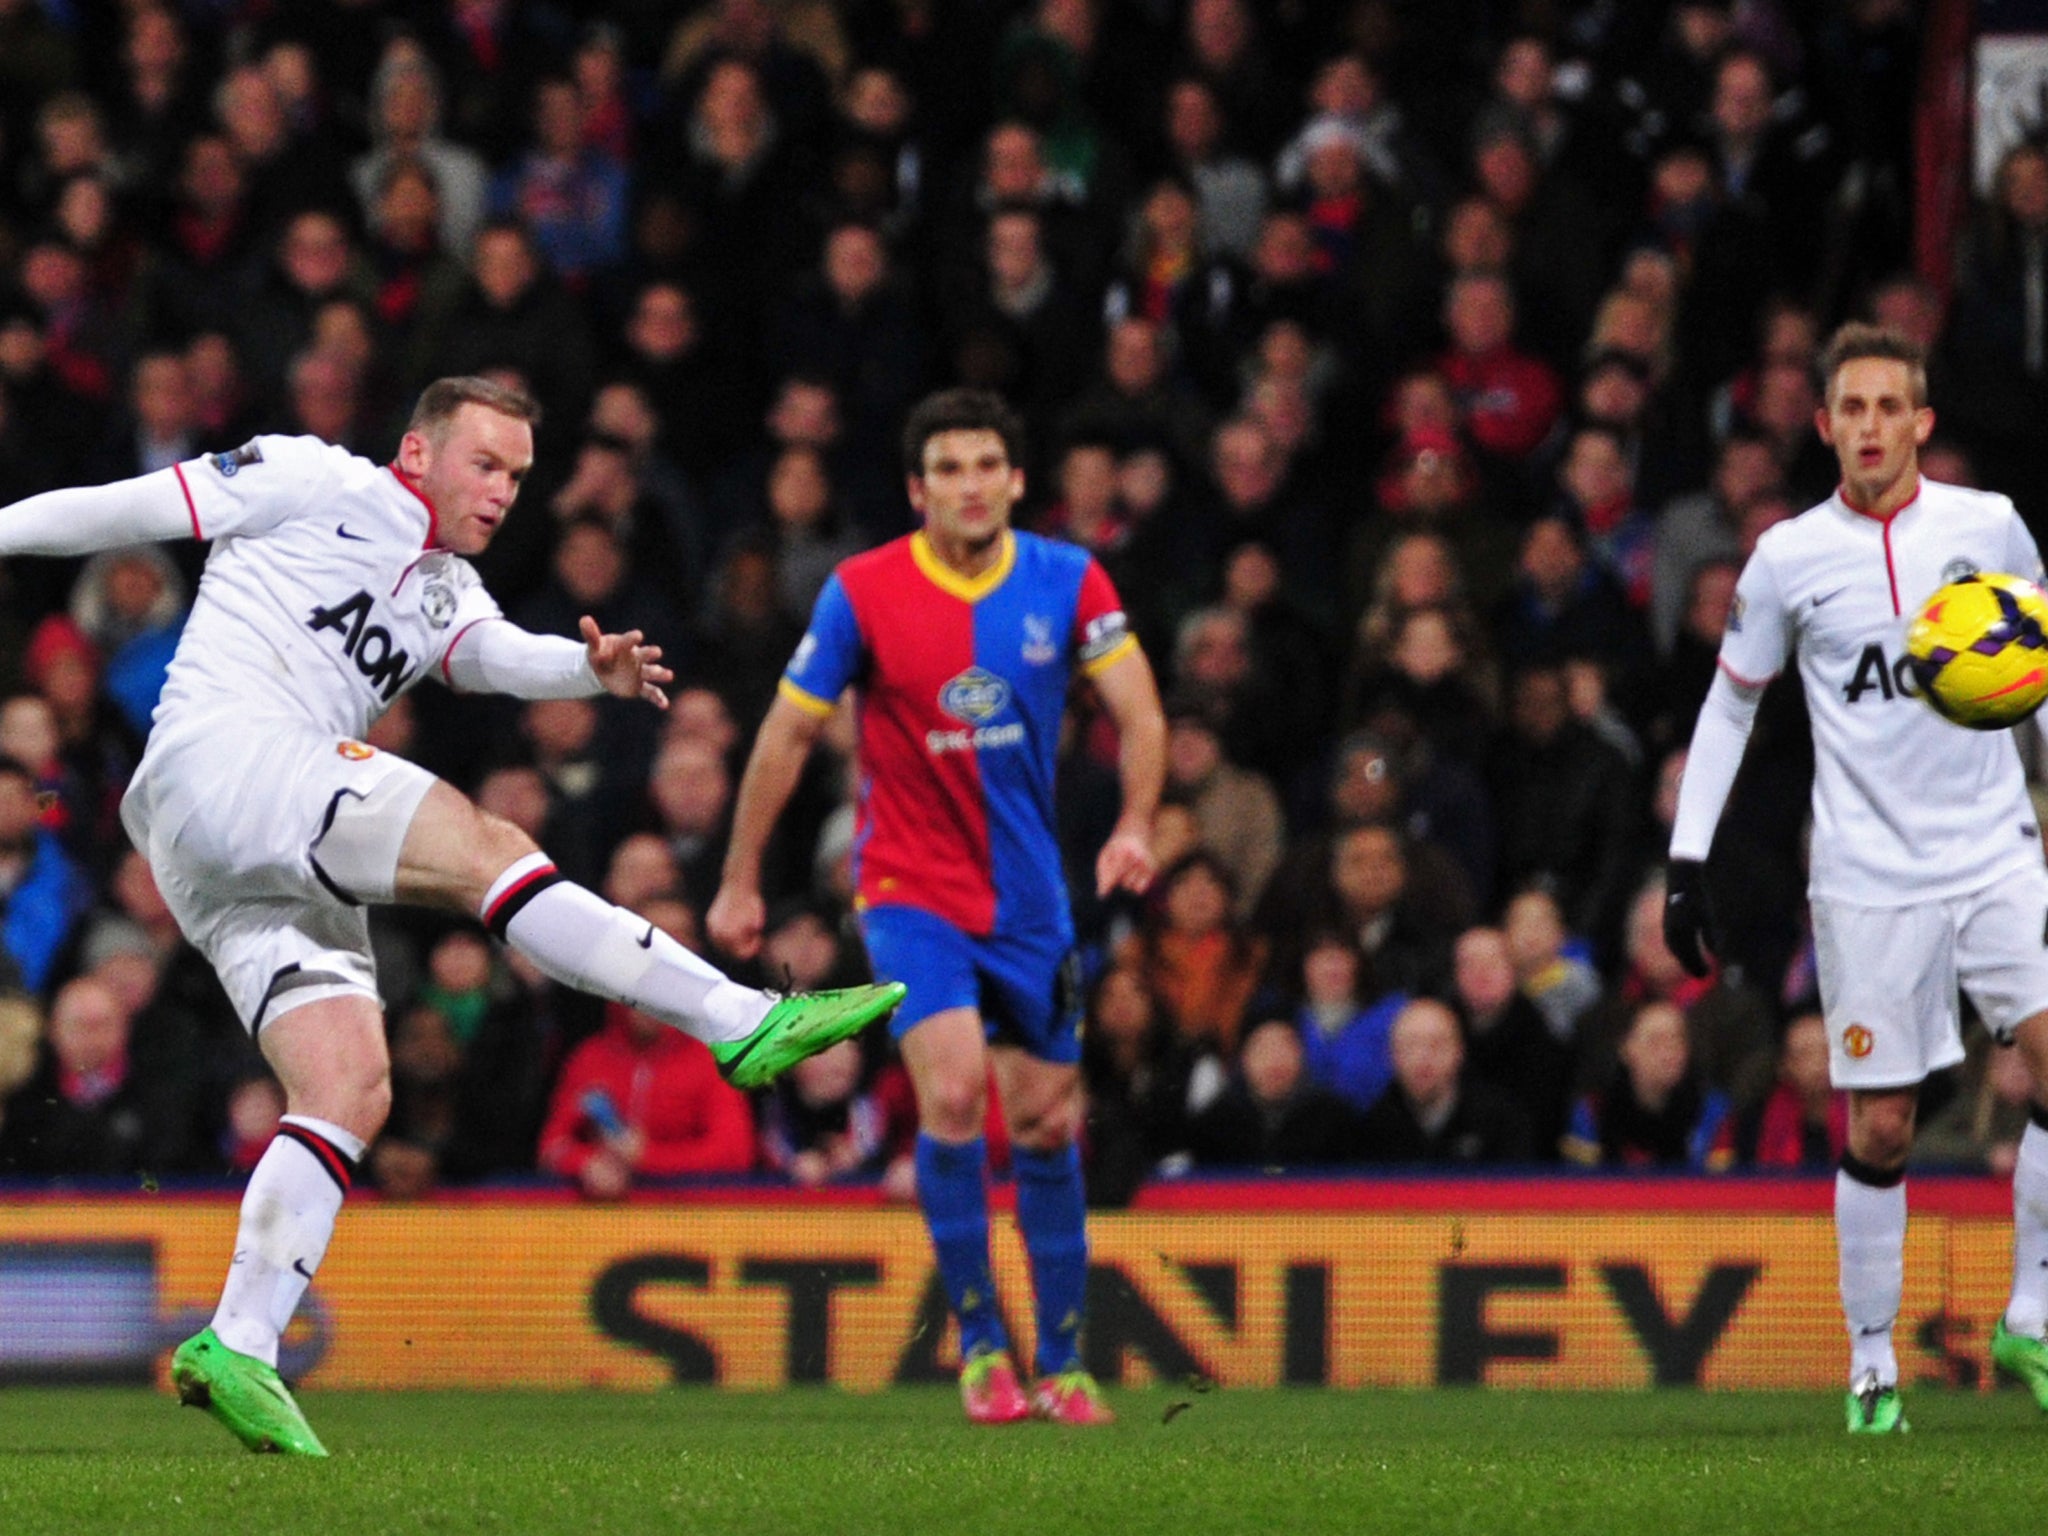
(646, 940)
(354, 538)
(1827, 597)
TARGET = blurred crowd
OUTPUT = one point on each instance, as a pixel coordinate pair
(1422, 373)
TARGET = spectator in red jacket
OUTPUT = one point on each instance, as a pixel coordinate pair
(1509, 399)
(1805, 1122)
(639, 1100)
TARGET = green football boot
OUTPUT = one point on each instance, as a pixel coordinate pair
(1874, 1409)
(244, 1394)
(802, 1025)
(2026, 1358)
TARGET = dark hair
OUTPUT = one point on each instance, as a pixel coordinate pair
(1743, 435)
(1607, 429)
(1200, 859)
(440, 400)
(1859, 339)
(960, 410)
(408, 165)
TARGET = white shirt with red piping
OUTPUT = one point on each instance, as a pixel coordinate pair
(1907, 807)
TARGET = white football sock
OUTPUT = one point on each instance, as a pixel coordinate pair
(583, 941)
(1870, 1238)
(2027, 1313)
(288, 1216)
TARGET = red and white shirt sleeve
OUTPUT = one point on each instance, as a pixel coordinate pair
(253, 488)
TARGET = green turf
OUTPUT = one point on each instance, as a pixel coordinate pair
(902, 1463)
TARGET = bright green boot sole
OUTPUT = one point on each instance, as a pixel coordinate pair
(801, 1026)
(246, 1395)
(2026, 1358)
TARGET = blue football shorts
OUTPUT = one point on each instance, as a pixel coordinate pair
(1027, 986)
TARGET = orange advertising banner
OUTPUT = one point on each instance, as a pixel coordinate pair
(541, 1293)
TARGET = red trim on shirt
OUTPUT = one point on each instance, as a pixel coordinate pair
(190, 505)
(433, 517)
(1746, 682)
(1842, 491)
(1890, 570)
(447, 676)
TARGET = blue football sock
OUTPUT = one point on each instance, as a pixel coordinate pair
(1053, 1214)
(952, 1186)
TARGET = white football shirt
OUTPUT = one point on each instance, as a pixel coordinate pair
(1906, 806)
(323, 599)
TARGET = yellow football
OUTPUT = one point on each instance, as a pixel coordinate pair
(1979, 650)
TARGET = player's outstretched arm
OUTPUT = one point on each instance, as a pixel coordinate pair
(786, 737)
(1132, 698)
(77, 521)
(491, 654)
(626, 668)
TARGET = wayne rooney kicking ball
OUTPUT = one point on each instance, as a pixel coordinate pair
(1979, 650)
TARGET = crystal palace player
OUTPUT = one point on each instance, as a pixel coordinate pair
(960, 641)
(1926, 866)
(334, 585)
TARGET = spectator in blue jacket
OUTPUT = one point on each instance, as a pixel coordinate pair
(43, 892)
(1345, 1037)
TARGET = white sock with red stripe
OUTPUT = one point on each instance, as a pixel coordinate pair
(583, 941)
(288, 1216)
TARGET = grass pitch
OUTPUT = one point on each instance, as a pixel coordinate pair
(902, 1463)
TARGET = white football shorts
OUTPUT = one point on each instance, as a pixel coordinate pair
(234, 816)
(1889, 976)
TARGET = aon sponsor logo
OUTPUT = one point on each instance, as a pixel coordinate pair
(1877, 673)
(368, 645)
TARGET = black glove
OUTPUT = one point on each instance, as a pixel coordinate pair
(1689, 917)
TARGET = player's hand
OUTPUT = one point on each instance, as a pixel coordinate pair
(899, 1179)
(628, 669)
(735, 921)
(605, 1177)
(628, 1146)
(1690, 931)
(1125, 862)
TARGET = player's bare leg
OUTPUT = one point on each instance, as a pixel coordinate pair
(1042, 1102)
(330, 1056)
(460, 858)
(1870, 1242)
(2018, 1342)
(947, 1059)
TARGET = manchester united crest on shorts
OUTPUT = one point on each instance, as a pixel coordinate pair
(354, 751)
(1857, 1041)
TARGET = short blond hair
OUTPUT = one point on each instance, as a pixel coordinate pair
(440, 400)
(1858, 340)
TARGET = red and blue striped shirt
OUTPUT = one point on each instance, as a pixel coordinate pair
(962, 682)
